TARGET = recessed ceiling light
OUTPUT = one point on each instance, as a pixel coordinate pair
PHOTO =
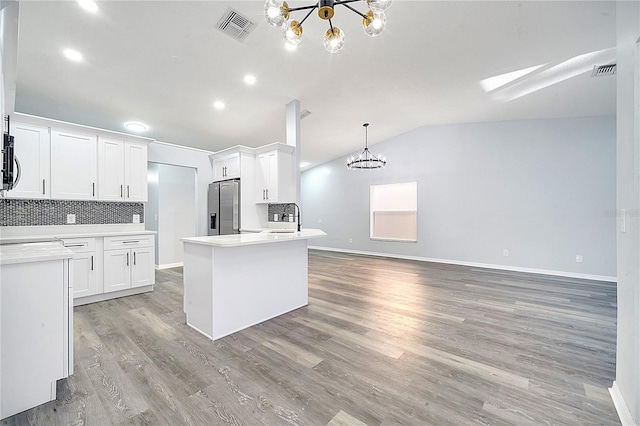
(304, 164)
(73, 55)
(218, 105)
(250, 79)
(135, 127)
(88, 5)
(290, 47)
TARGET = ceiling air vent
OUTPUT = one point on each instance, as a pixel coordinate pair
(235, 25)
(602, 70)
(304, 113)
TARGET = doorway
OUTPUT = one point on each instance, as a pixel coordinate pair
(171, 210)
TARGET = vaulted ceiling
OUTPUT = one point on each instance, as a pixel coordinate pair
(164, 63)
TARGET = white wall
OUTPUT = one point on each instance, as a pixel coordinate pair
(542, 189)
(160, 152)
(628, 187)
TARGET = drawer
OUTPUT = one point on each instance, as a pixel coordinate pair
(80, 245)
(128, 241)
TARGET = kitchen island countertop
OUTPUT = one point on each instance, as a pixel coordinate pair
(236, 240)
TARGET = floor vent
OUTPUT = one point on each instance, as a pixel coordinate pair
(602, 70)
(304, 113)
(235, 25)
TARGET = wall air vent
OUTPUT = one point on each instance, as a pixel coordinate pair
(304, 113)
(235, 25)
(602, 70)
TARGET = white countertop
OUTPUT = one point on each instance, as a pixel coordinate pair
(62, 236)
(33, 252)
(236, 240)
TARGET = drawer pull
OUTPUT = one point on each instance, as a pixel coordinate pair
(74, 245)
(130, 242)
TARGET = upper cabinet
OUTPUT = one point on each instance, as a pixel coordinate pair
(274, 175)
(74, 166)
(226, 166)
(33, 150)
(122, 169)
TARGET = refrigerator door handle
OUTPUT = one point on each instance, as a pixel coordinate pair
(213, 220)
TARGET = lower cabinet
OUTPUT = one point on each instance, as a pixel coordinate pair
(87, 268)
(105, 266)
(128, 262)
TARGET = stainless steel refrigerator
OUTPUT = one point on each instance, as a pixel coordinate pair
(224, 207)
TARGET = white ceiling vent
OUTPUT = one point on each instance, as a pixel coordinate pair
(602, 70)
(304, 113)
(235, 25)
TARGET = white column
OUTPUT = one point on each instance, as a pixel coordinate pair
(293, 139)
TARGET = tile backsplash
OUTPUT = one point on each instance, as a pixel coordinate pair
(280, 210)
(54, 212)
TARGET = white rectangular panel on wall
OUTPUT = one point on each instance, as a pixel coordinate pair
(74, 162)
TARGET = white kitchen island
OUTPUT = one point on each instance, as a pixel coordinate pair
(232, 282)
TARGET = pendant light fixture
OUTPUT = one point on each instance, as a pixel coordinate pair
(277, 13)
(366, 160)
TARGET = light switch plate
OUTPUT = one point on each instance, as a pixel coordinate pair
(136, 218)
(71, 218)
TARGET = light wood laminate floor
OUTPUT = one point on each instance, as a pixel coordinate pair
(382, 342)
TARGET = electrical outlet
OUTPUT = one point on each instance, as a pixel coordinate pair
(350, 240)
(71, 218)
(578, 258)
(136, 218)
(505, 253)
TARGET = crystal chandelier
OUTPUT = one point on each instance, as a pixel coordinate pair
(373, 21)
(366, 160)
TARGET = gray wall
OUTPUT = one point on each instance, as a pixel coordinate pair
(628, 176)
(542, 189)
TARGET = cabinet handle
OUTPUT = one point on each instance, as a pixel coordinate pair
(130, 242)
(121, 194)
(42, 186)
(267, 193)
(127, 259)
(134, 258)
(74, 245)
(93, 189)
(263, 194)
(128, 194)
(92, 263)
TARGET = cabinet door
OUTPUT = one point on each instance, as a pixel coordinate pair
(262, 178)
(84, 275)
(218, 168)
(111, 169)
(143, 268)
(32, 149)
(272, 177)
(232, 166)
(117, 270)
(136, 172)
(74, 166)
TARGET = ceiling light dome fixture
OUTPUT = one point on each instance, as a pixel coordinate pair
(277, 14)
(366, 160)
(136, 127)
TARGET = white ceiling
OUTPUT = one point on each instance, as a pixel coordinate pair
(164, 63)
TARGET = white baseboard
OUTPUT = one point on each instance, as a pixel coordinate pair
(475, 264)
(169, 265)
(621, 406)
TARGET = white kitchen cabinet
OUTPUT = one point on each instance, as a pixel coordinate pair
(33, 150)
(274, 177)
(128, 262)
(74, 166)
(122, 169)
(226, 166)
(87, 267)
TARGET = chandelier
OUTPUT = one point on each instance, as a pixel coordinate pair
(277, 14)
(366, 160)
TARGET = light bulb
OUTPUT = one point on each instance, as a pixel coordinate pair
(374, 23)
(334, 40)
(276, 12)
(379, 5)
(292, 32)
